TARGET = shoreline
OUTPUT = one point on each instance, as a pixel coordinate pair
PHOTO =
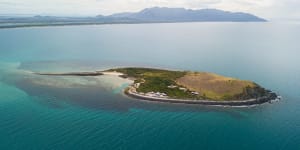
(234, 103)
(29, 25)
(96, 73)
(72, 74)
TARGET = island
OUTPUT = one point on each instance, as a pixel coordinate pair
(186, 87)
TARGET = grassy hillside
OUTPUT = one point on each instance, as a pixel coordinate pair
(208, 85)
(214, 86)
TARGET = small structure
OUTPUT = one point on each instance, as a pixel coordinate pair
(137, 85)
(172, 86)
(156, 94)
(195, 93)
(183, 89)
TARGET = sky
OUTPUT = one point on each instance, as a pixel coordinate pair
(269, 9)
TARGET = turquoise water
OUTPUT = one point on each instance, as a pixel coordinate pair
(91, 113)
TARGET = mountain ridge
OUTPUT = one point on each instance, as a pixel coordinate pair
(147, 15)
(182, 14)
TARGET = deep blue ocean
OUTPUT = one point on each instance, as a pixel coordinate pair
(62, 113)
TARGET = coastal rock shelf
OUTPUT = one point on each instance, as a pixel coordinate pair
(235, 103)
(186, 87)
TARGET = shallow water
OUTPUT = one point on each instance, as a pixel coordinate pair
(44, 112)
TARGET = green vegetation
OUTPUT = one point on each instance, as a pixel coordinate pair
(207, 85)
(156, 80)
(148, 72)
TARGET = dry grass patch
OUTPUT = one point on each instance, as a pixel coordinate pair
(213, 86)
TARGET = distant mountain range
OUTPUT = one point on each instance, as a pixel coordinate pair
(148, 15)
(163, 14)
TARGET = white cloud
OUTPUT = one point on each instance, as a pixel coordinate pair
(264, 8)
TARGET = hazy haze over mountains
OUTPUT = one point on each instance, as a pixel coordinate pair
(160, 14)
(148, 15)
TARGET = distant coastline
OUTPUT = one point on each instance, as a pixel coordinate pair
(148, 15)
(80, 24)
(4, 26)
